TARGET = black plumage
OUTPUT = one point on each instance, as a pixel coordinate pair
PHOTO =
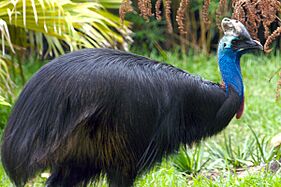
(102, 110)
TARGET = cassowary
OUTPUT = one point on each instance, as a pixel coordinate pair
(105, 111)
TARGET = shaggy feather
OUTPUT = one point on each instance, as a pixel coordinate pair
(102, 110)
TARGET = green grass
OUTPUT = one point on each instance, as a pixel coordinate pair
(254, 180)
(220, 159)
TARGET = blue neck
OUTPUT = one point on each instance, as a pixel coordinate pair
(229, 63)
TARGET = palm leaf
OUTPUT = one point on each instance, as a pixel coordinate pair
(3, 102)
(112, 4)
(6, 83)
(62, 24)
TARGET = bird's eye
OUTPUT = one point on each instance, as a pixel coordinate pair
(234, 42)
(224, 45)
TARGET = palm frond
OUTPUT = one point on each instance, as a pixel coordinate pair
(5, 36)
(6, 83)
(3, 102)
(62, 24)
(111, 4)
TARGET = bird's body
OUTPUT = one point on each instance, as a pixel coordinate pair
(105, 111)
(105, 102)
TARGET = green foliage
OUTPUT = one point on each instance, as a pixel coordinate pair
(189, 161)
(4, 110)
(162, 175)
(147, 36)
(261, 152)
(62, 24)
(232, 180)
(6, 85)
(4, 180)
(227, 155)
(5, 79)
(3, 102)
(252, 151)
(110, 4)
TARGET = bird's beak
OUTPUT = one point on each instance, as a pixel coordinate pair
(248, 44)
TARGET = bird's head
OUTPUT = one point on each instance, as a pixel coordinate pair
(235, 42)
(237, 46)
(236, 39)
